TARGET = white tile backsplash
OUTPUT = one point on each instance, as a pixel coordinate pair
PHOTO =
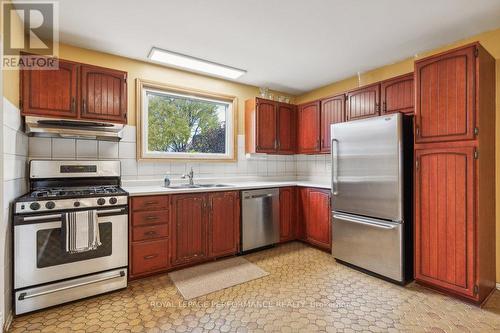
(126, 150)
(64, 149)
(40, 148)
(86, 149)
(107, 150)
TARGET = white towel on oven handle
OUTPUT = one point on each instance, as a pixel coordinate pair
(82, 231)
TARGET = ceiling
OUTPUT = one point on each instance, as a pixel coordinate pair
(293, 46)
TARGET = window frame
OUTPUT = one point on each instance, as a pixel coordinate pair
(142, 86)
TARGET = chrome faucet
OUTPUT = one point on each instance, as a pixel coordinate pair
(166, 181)
(190, 175)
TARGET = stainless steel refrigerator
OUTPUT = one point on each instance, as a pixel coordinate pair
(372, 195)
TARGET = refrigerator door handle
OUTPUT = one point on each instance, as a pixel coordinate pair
(364, 222)
(335, 166)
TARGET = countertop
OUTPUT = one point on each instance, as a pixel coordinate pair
(157, 189)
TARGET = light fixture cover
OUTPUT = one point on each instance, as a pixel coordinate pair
(194, 64)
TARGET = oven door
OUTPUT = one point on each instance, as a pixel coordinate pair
(39, 249)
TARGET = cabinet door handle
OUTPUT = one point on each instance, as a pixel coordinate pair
(84, 106)
(151, 256)
(73, 106)
(384, 107)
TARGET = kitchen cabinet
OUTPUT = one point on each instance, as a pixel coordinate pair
(189, 220)
(270, 127)
(445, 88)
(308, 138)
(398, 94)
(288, 211)
(314, 215)
(104, 94)
(363, 102)
(332, 112)
(149, 240)
(51, 92)
(75, 91)
(454, 191)
(223, 223)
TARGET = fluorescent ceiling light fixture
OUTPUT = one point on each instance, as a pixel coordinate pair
(194, 64)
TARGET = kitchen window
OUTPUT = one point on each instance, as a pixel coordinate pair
(176, 123)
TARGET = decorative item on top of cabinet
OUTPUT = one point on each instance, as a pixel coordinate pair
(314, 217)
(308, 138)
(363, 102)
(332, 112)
(270, 127)
(51, 92)
(445, 88)
(398, 94)
(223, 223)
(104, 94)
(288, 213)
(149, 236)
(75, 91)
(455, 180)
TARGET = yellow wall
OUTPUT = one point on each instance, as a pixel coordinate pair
(490, 40)
(147, 71)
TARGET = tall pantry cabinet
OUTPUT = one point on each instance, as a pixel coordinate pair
(455, 172)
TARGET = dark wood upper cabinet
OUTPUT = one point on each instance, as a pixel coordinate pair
(398, 94)
(287, 128)
(223, 223)
(189, 223)
(104, 94)
(51, 92)
(444, 218)
(288, 210)
(363, 102)
(332, 112)
(270, 127)
(308, 140)
(445, 106)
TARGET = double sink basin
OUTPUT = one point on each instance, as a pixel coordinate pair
(197, 186)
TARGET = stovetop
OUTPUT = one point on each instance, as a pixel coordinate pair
(74, 192)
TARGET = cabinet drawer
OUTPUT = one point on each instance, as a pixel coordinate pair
(149, 256)
(146, 218)
(150, 203)
(150, 232)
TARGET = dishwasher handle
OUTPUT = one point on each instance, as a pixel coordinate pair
(259, 196)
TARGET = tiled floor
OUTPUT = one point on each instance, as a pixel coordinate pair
(305, 292)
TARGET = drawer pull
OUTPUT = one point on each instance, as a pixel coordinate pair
(151, 202)
(151, 256)
(150, 218)
(150, 233)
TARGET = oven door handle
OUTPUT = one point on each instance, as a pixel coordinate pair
(58, 217)
(24, 296)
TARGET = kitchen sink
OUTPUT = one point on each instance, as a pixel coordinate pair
(197, 186)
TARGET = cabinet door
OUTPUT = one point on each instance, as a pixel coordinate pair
(266, 119)
(308, 128)
(51, 93)
(444, 214)
(287, 213)
(332, 111)
(189, 215)
(398, 95)
(287, 128)
(224, 223)
(445, 97)
(363, 102)
(104, 94)
(317, 218)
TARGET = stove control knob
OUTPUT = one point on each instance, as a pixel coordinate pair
(50, 205)
(76, 203)
(35, 206)
(113, 201)
(101, 201)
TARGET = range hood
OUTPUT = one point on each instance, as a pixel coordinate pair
(76, 129)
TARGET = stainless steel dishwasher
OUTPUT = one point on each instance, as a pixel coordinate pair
(261, 215)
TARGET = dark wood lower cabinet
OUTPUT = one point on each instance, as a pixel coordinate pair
(288, 213)
(223, 224)
(314, 217)
(189, 219)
